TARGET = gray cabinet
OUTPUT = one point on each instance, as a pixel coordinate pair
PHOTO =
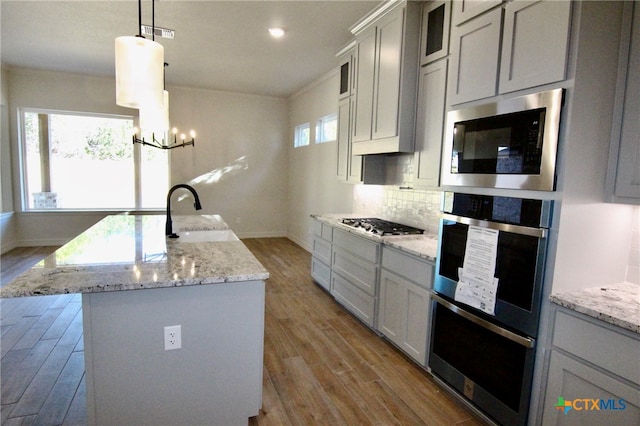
(321, 254)
(468, 9)
(489, 57)
(535, 44)
(582, 369)
(624, 158)
(404, 303)
(386, 60)
(354, 274)
(475, 55)
(430, 124)
(349, 167)
(434, 40)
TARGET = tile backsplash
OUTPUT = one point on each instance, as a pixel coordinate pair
(412, 207)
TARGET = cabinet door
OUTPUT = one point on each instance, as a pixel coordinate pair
(344, 134)
(627, 183)
(321, 273)
(430, 124)
(387, 76)
(363, 111)
(535, 44)
(467, 9)
(436, 19)
(403, 314)
(346, 69)
(579, 384)
(354, 162)
(391, 318)
(475, 56)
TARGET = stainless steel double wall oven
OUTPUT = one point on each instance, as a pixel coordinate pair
(488, 354)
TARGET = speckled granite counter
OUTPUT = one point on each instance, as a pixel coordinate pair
(131, 252)
(424, 246)
(617, 304)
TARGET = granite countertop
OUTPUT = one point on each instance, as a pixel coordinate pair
(131, 252)
(424, 246)
(617, 304)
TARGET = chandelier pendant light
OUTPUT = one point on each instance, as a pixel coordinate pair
(139, 69)
(168, 144)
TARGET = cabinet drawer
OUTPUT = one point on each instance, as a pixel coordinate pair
(322, 230)
(322, 250)
(414, 269)
(601, 346)
(365, 249)
(355, 300)
(358, 271)
(574, 380)
(321, 273)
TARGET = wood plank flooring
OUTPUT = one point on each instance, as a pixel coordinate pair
(322, 366)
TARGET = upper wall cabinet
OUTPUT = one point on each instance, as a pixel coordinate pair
(430, 124)
(346, 67)
(624, 159)
(436, 19)
(529, 39)
(468, 9)
(349, 167)
(385, 79)
(475, 56)
(534, 48)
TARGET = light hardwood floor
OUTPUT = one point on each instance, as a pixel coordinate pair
(322, 366)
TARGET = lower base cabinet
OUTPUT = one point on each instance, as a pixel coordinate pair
(404, 302)
(354, 274)
(359, 303)
(321, 273)
(403, 315)
(586, 385)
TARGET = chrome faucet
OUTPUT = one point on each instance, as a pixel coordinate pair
(168, 227)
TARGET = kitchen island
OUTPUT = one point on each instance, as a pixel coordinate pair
(135, 282)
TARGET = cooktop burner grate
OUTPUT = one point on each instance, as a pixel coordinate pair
(381, 227)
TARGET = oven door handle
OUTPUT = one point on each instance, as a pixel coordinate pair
(506, 227)
(521, 340)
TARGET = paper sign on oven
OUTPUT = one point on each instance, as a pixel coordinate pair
(477, 286)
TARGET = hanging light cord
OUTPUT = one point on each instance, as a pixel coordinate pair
(153, 20)
(140, 19)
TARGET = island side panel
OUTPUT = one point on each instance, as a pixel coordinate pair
(216, 378)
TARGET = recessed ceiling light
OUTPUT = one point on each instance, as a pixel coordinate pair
(276, 32)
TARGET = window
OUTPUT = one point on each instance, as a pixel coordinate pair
(327, 128)
(88, 162)
(301, 137)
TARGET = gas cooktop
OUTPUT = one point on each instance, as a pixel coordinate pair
(381, 227)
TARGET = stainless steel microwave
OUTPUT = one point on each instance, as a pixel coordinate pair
(511, 143)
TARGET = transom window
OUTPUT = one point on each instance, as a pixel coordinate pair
(78, 161)
(327, 128)
(301, 135)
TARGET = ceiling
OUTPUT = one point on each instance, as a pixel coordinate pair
(221, 45)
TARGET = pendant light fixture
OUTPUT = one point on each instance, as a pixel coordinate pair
(140, 84)
(139, 69)
(154, 118)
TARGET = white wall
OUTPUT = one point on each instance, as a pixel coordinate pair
(8, 227)
(241, 147)
(313, 185)
(593, 237)
(230, 126)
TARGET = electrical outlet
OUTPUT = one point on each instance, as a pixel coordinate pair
(172, 337)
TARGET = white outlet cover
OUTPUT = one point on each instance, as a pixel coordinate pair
(172, 337)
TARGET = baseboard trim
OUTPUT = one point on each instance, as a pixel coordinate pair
(300, 242)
